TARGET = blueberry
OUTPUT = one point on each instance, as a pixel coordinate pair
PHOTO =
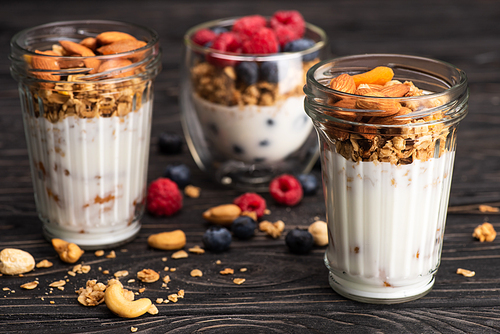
(219, 30)
(264, 142)
(299, 241)
(180, 174)
(269, 72)
(248, 72)
(301, 45)
(309, 184)
(243, 227)
(270, 122)
(170, 143)
(217, 239)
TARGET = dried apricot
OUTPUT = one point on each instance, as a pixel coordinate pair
(378, 76)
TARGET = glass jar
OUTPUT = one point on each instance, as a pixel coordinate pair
(386, 174)
(87, 121)
(243, 115)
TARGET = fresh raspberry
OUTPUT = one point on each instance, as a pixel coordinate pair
(203, 36)
(248, 25)
(225, 42)
(251, 202)
(164, 197)
(261, 42)
(285, 34)
(286, 189)
(290, 18)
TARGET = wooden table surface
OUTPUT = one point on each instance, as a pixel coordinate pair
(283, 293)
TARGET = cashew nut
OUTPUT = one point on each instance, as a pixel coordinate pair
(319, 231)
(68, 252)
(168, 240)
(15, 261)
(222, 214)
(119, 305)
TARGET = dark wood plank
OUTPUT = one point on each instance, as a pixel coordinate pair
(283, 293)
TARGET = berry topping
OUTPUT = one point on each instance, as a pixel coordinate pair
(170, 143)
(292, 19)
(285, 34)
(217, 239)
(251, 202)
(248, 72)
(164, 197)
(243, 227)
(299, 241)
(180, 174)
(309, 184)
(286, 189)
(227, 42)
(269, 72)
(219, 30)
(263, 41)
(203, 36)
(300, 45)
(248, 25)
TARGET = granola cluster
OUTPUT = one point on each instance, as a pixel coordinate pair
(221, 86)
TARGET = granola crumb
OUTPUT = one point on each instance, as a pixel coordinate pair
(99, 253)
(153, 309)
(105, 272)
(164, 259)
(227, 271)
(121, 273)
(173, 298)
(133, 329)
(71, 273)
(148, 275)
(196, 273)
(166, 279)
(52, 302)
(173, 269)
(159, 300)
(196, 249)
(92, 294)
(44, 264)
(243, 270)
(180, 294)
(485, 232)
(465, 272)
(132, 280)
(487, 208)
(30, 285)
(85, 269)
(239, 281)
(166, 268)
(272, 229)
(180, 255)
(141, 290)
(57, 283)
(192, 191)
(111, 255)
(218, 262)
(60, 288)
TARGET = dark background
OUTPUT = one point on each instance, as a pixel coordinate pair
(283, 293)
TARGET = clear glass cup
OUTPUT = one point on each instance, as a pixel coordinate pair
(87, 122)
(386, 179)
(242, 134)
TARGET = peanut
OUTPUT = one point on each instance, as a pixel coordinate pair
(119, 305)
(168, 240)
(222, 214)
(68, 252)
(15, 261)
(319, 231)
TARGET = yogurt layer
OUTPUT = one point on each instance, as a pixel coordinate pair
(90, 174)
(386, 223)
(254, 133)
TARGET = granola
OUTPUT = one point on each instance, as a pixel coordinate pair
(92, 294)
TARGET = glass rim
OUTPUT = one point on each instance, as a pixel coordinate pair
(251, 57)
(458, 109)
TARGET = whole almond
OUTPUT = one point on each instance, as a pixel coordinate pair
(348, 103)
(120, 46)
(73, 48)
(116, 64)
(109, 37)
(222, 214)
(386, 106)
(398, 90)
(344, 83)
(45, 63)
(89, 42)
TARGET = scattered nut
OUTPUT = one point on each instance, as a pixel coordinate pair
(57, 283)
(319, 231)
(15, 261)
(30, 285)
(180, 255)
(196, 273)
(272, 229)
(153, 309)
(121, 273)
(243, 270)
(222, 214)
(196, 249)
(227, 271)
(122, 307)
(487, 208)
(148, 276)
(239, 281)
(485, 232)
(68, 252)
(168, 240)
(92, 294)
(133, 329)
(192, 191)
(99, 253)
(465, 272)
(44, 264)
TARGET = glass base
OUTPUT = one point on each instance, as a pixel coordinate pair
(95, 240)
(245, 177)
(396, 296)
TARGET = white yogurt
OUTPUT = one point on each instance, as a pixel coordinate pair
(90, 175)
(386, 224)
(254, 134)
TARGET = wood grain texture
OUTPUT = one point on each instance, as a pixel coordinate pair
(283, 293)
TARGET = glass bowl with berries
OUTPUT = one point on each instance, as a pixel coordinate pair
(242, 97)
